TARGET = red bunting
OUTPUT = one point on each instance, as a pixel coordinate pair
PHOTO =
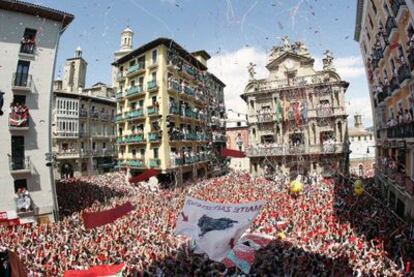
(232, 153)
(143, 176)
(95, 271)
(92, 220)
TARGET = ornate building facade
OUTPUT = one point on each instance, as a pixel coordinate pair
(170, 110)
(297, 118)
(385, 33)
(83, 123)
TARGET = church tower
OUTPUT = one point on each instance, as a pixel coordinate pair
(127, 36)
(74, 72)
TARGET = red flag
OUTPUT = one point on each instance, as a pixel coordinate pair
(232, 153)
(394, 45)
(143, 176)
(96, 271)
(92, 220)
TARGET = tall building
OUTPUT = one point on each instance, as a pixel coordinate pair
(83, 123)
(170, 112)
(237, 136)
(385, 33)
(29, 40)
(297, 118)
(362, 146)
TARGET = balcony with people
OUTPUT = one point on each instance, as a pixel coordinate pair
(404, 72)
(401, 126)
(152, 85)
(136, 68)
(264, 115)
(393, 170)
(397, 8)
(174, 85)
(154, 163)
(137, 113)
(24, 202)
(324, 109)
(134, 90)
(390, 26)
(28, 42)
(395, 83)
(18, 117)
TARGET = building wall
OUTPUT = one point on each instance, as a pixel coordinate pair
(384, 35)
(37, 100)
(359, 156)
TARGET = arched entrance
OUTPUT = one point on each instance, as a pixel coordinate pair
(66, 171)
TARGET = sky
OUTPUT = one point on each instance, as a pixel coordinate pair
(234, 32)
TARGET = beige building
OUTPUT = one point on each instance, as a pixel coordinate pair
(170, 112)
(297, 118)
(83, 123)
(362, 146)
(237, 136)
(385, 33)
(30, 36)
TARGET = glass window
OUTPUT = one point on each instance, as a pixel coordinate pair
(154, 56)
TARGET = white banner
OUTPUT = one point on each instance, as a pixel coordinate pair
(215, 227)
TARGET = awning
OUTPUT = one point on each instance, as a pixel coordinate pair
(143, 176)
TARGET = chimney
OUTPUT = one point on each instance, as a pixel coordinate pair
(358, 121)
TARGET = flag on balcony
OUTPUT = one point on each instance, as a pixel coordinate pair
(143, 176)
(97, 271)
(278, 111)
(215, 227)
(92, 220)
(232, 153)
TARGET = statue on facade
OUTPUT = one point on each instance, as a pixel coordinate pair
(286, 44)
(252, 72)
(301, 49)
(328, 60)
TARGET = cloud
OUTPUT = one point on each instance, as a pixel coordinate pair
(231, 68)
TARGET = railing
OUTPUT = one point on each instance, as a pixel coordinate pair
(405, 130)
(119, 117)
(219, 138)
(154, 163)
(94, 114)
(106, 116)
(67, 134)
(174, 110)
(19, 119)
(119, 95)
(23, 80)
(154, 136)
(133, 139)
(61, 153)
(152, 85)
(294, 150)
(325, 111)
(293, 82)
(134, 90)
(134, 114)
(152, 110)
(174, 86)
(136, 163)
(397, 179)
(27, 46)
(188, 90)
(19, 163)
(265, 117)
(83, 113)
(136, 67)
(191, 114)
(390, 25)
(120, 76)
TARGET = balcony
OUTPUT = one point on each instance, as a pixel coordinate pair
(134, 90)
(152, 110)
(136, 163)
(154, 136)
(174, 86)
(191, 114)
(263, 150)
(66, 134)
(405, 130)
(94, 114)
(19, 119)
(67, 154)
(119, 95)
(28, 46)
(265, 117)
(325, 112)
(390, 26)
(136, 69)
(397, 7)
(22, 82)
(154, 163)
(120, 77)
(219, 138)
(19, 165)
(404, 73)
(106, 117)
(189, 91)
(83, 113)
(174, 110)
(134, 139)
(397, 179)
(134, 114)
(386, 91)
(119, 117)
(152, 85)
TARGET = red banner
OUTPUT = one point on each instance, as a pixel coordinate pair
(92, 220)
(232, 153)
(143, 176)
(96, 271)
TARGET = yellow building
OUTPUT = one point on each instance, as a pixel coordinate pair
(385, 33)
(170, 110)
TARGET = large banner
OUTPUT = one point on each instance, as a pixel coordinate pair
(215, 227)
(97, 271)
(92, 220)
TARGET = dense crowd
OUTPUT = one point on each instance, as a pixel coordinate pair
(328, 230)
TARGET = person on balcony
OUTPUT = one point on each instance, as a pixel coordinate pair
(407, 116)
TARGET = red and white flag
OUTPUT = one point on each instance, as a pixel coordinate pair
(97, 271)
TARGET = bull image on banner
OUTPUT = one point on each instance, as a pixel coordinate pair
(215, 227)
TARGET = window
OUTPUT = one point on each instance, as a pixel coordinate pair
(132, 63)
(155, 150)
(28, 41)
(154, 56)
(22, 74)
(103, 145)
(20, 184)
(142, 152)
(134, 152)
(93, 146)
(154, 75)
(238, 124)
(359, 138)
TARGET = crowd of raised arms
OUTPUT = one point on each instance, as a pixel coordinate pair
(329, 232)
